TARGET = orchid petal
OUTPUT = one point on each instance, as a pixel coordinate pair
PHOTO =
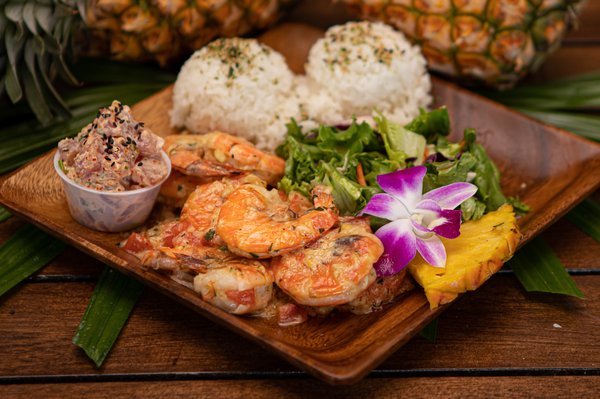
(385, 206)
(451, 228)
(420, 228)
(443, 222)
(432, 250)
(399, 242)
(405, 184)
(452, 195)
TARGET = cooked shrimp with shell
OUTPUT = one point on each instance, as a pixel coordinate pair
(238, 286)
(218, 154)
(258, 223)
(333, 270)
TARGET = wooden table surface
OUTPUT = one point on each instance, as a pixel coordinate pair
(497, 341)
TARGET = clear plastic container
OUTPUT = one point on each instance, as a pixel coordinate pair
(108, 211)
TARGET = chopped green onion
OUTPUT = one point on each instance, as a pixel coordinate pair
(539, 269)
(27, 251)
(4, 214)
(586, 216)
(111, 303)
(61, 164)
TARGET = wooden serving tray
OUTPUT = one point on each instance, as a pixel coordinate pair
(550, 169)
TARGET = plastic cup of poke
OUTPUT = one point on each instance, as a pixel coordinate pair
(110, 211)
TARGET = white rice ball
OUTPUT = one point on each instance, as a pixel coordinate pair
(238, 86)
(362, 67)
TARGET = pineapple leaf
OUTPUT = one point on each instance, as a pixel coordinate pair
(13, 47)
(29, 17)
(60, 106)
(539, 269)
(33, 91)
(12, 85)
(81, 7)
(44, 17)
(3, 23)
(64, 71)
(14, 12)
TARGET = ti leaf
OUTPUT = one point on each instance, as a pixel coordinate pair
(113, 300)
(429, 332)
(587, 126)
(27, 251)
(586, 216)
(539, 269)
(4, 214)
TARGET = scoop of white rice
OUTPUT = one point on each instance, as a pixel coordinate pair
(238, 86)
(361, 67)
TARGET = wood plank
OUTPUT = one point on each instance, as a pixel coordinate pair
(498, 326)
(446, 387)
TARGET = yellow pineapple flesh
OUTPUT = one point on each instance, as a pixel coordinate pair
(480, 250)
(494, 41)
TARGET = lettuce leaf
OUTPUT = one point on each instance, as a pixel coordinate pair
(432, 124)
(400, 143)
(331, 155)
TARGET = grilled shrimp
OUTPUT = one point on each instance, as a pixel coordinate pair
(333, 270)
(178, 187)
(258, 223)
(172, 246)
(218, 154)
(203, 206)
(383, 291)
(238, 286)
(192, 237)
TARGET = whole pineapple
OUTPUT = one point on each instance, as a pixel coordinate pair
(36, 36)
(491, 41)
(165, 29)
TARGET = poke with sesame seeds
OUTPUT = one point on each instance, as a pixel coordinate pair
(114, 153)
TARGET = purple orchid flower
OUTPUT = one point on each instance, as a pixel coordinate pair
(416, 219)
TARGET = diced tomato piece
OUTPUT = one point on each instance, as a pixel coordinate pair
(137, 243)
(290, 314)
(245, 297)
(172, 232)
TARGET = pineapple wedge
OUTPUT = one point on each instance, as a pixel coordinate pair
(480, 250)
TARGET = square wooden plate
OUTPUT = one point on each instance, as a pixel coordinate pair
(550, 169)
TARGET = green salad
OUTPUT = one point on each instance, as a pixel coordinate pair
(350, 158)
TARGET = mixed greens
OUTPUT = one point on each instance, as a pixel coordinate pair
(349, 159)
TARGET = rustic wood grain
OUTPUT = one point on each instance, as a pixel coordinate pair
(446, 387)
(548, 168)
(497, 327)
